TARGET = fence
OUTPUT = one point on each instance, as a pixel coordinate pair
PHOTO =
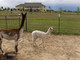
(11, 21)
(66, 24)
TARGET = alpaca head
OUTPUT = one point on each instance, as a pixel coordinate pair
(50, 29)
(24, 15)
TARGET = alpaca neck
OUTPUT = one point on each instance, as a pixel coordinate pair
(48, 32)
(22, 23)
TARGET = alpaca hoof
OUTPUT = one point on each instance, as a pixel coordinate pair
(3, 54)
(10, 55)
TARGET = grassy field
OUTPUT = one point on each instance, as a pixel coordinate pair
(69, 24)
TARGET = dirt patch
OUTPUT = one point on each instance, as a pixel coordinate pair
(57, 47)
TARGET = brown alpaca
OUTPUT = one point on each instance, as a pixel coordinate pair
(13, 34)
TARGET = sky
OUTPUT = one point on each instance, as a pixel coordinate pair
(54, 4)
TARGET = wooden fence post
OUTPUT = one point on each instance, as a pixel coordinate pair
(59, 24)
(19, 19)
(26, 23)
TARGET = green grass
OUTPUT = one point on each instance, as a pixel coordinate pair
(69, 24)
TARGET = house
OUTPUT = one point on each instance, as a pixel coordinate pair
(33, 6)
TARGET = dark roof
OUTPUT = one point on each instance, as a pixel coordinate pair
(20, 5)
(31, 4)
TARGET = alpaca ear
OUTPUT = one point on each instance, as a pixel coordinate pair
(51, 28)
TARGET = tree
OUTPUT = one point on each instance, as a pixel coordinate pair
(8, 8)
(50, 8)
(23, 9)
(78, 10)
(2, 7)
(11, 11)
(30, 9)
(5, 9)
(18, 9)
(14, 9)
(60, 10)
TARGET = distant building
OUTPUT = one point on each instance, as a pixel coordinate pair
(33, 6)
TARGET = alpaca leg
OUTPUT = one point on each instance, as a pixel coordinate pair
(33, 40)
(1, 46)
(42, 43)
(16, 46)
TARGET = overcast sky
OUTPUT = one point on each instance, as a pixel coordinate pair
(55, 4)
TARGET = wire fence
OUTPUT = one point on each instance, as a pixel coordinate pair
(11, 22)
(64, 24)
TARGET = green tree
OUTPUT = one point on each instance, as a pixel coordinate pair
(60, 10)
(5, 9)
(50, 8)
(18, 9)
(30, 9)
(78, 10)
(11, 11)
(14, 9)
(23, 9)
(8, 8)
(2, 7)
